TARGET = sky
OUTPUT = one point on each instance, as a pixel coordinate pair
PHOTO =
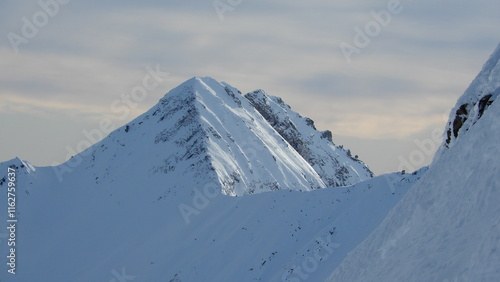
(382, 75)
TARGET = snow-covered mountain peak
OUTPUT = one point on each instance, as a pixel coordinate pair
(200, 88)
(245, 151)
(18, 164)
(208, 132)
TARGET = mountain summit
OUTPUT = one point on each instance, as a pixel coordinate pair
(208, 132)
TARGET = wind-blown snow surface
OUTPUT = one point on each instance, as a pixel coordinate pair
(447, 228)
(80, 230)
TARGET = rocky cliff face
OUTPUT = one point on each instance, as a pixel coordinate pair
(335, 165)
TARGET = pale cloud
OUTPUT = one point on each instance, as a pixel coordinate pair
(47, 108)
(400, 85)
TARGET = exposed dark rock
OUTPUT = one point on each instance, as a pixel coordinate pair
(310, 122)
(460, 118)
(327, 134)
(232, 95)
(462, 113)
(448, 137)
(326, 164)
(484, 103)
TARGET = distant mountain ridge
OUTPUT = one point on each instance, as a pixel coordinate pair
(104, 229)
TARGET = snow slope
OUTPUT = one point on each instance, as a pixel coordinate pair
(79, 230)
(447, 227)
(336, 166)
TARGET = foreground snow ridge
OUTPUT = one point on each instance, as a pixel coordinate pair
(447, 228)
(96, 231)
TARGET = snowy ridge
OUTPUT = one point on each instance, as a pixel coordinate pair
(446, 228)
(336, 166)
(124, 225)
(25, 172)
(471, 106)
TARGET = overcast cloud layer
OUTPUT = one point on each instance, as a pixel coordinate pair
(395, 90)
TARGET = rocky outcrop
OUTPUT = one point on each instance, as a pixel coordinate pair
(334, 164)
(476, 100)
